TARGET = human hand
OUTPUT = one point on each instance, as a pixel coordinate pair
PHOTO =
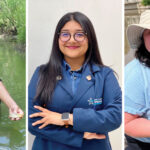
(15, 113)
(48, 117)
(89, 136)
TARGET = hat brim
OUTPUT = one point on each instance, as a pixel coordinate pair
(134, 34)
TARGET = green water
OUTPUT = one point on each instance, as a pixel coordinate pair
(12, 72)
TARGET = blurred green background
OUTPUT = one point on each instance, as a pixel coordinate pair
(12, 71)
(12, 18)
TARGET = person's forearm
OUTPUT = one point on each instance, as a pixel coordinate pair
(71, 119)
(139, 127)
(5, 97)
(61, 122)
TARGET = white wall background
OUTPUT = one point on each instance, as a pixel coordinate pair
(43, 16)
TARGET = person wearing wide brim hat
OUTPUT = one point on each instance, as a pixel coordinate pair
(135, 31)
(137, 86)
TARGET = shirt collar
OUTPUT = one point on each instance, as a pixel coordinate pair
(68, 68)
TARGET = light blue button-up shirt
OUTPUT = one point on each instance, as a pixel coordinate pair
(137, 91)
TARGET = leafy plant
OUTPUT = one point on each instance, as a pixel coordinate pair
(146, 2)
(12, 18)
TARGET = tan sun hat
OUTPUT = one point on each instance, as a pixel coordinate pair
(135, 31)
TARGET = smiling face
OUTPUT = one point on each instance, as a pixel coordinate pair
(146, 36)
(73, 49)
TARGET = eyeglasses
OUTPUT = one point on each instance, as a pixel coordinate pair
(78, 36)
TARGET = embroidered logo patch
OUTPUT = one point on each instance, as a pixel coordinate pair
(95, 102)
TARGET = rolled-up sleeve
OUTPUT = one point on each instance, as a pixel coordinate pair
(134, 92)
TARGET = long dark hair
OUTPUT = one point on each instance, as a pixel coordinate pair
(142, 54)
(48, 72)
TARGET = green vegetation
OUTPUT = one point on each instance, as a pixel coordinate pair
(146, 2)
(12, 18)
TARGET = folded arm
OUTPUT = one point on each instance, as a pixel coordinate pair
(136, 126)
(105, 120)
(50, 132)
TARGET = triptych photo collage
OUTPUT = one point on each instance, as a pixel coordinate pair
(74, 75)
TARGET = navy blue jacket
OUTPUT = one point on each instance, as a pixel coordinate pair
(96, 108)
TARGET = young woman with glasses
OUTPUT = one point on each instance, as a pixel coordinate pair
(74, 99)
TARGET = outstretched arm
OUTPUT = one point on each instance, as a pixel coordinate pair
(10, 103)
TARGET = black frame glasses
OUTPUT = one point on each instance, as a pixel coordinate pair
(78, 36)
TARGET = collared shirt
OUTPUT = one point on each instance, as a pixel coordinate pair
(73, 76)
(137, 91)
